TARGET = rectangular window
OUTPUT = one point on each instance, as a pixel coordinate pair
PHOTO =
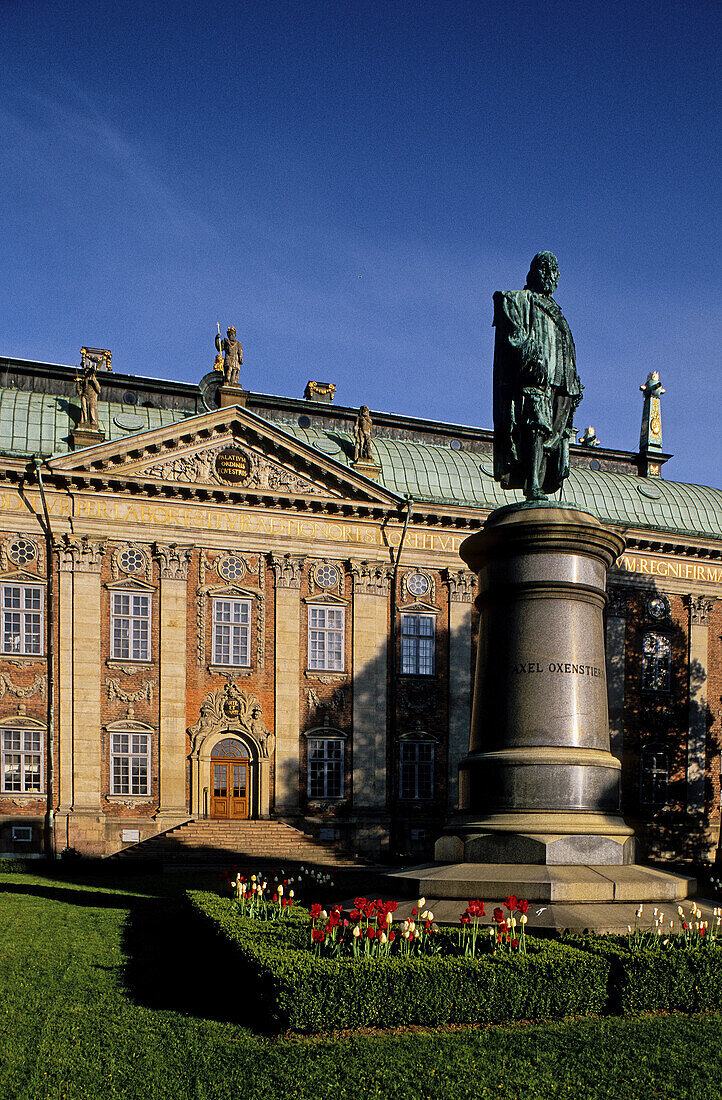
(22, 761)
(325, 637)
(418, 634)
(325, 768)
(130, 626)
(130, 763)
(416, 770)
(232, 632)
(22, 615)
(656, 662)
(653, 778)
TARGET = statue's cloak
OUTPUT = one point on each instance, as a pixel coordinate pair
(535, 383)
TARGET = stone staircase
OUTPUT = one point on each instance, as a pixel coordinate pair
(220, 843)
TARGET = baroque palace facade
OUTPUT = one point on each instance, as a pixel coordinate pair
(215, 606)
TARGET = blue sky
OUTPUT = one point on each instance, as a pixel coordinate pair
(348, 183)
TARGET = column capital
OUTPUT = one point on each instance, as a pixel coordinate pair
(287, 570)
(79, 555)
(173, 560)
(699, 609)
(461, 584)
(370, 578)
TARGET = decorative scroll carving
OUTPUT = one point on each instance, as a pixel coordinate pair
(416, 698)
(200, 467)
(115, 691)
(462, 583)
(116, 568)
(80, 555)
(406, 590)
(371, 578)
(617, 603)
(38, 686)
(174, 561)
(287, 570)
(699, 609)
(229, 708)
(334, 705)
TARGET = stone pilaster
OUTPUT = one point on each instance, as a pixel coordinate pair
(173, 563)
(288, 573)
(615, 650)
(699, 609)
(461, 594)
(80, 562)
(370, 665)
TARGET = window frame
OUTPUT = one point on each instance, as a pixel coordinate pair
(415, 766)
(652, 662)
(24, 754)
(649, 777)
(216, 662)
(323, 634)
(23, 613)
(130, 756)
(410, 655)
(327, 761)
(133, 653)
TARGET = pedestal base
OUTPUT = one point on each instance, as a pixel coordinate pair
(582, 883)
(369, 469)
(551, 839)
(86, 437)
(232, 395)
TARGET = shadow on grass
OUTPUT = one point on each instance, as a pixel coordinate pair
(177, 962)
(89, 899)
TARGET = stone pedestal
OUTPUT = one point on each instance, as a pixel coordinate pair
(86, 437)
(367, 467)
(232, 395)
(539, 784)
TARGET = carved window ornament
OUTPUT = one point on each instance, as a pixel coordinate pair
(326, 575)
(205, 597)
(417, 584)
(232, 567)
(131, 560)
(657, 607)
(17, 552)
(231, 709)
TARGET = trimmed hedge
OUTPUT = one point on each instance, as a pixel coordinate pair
(295, 990)
(656, 979)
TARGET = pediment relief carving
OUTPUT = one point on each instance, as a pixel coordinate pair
(418, 607)
(227, 463)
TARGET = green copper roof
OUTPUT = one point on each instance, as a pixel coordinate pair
(37, 423)
(437, 474)
(40, 423)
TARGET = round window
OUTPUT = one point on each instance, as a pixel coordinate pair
(417, 584)
(22, 551)
(131, 561)
(326, 576)
(232, 568)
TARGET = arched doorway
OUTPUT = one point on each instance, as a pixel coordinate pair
(230, 780)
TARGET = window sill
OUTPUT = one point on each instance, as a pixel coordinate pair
(23, 796)
(326, 675)
(127, 664)
(238, 670)
(130, 799)
(23, 659)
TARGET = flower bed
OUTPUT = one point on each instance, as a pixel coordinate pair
(295, 988)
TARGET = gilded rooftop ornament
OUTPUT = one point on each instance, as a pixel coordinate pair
(536, 385)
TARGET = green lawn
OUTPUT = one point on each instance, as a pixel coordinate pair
(110, 991)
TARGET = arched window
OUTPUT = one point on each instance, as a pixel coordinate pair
(656, 661)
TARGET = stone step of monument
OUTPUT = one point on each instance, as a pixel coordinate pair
(492, 882)
(200, 842)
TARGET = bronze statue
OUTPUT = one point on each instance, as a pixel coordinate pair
(362, 434)
(536, 385)
(88, 388)
(232, 353)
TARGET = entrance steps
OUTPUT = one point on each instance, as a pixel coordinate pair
(223, 842)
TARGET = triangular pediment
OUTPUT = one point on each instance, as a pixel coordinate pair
(232, 450)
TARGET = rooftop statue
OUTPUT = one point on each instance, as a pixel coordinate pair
(536, 385)
(88, 388)
(230, 348)
(363, 449)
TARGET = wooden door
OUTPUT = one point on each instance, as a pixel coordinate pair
(229, 780)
